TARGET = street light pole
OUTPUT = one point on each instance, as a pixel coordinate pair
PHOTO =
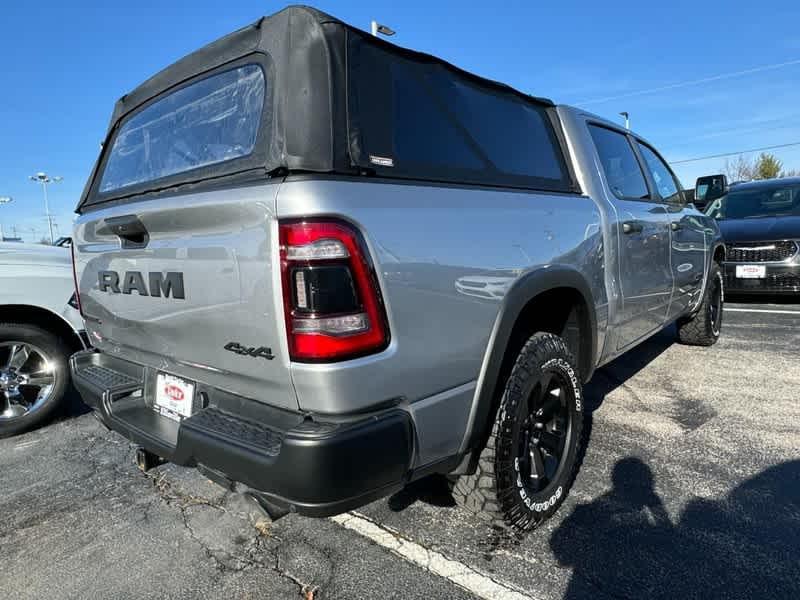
(376, 28)
(45, 179)
(47, 213)
(626, 116)
(4, 200)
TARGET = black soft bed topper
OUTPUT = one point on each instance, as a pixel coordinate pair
(315, 117)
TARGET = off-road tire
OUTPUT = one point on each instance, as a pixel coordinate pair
(495, 491)
(704, 327)
(59, 354)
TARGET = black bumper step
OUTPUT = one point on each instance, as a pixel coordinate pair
(317, 468)
(239, 431)
(107, 378)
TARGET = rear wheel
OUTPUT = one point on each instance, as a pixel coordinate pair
(530, 459)
(33, 376)
(704, 327)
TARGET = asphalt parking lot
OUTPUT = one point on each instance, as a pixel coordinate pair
(690, 487)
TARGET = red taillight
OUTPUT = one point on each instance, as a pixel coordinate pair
(331, 297)
(77, 294)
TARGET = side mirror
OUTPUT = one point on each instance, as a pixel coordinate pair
(710, 187)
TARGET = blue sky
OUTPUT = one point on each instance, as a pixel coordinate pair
(65, 63)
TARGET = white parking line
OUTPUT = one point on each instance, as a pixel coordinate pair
(25, 445)
(475, 582)
(764, 310)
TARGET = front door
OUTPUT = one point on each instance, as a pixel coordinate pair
(687, 230)
(643, 235)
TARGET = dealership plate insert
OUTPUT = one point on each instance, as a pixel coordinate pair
(751, 271)
(174, 396)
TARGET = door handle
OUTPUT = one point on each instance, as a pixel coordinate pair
(631, 227)
(676, 226)
(128, 228)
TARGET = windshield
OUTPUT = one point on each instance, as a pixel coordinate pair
(751, 203)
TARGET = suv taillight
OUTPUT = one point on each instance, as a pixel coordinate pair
(332, 302)
(77, 295)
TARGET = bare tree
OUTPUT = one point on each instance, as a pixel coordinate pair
(739, 169)
(766, 166)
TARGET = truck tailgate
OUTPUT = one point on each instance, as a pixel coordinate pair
(220, 248)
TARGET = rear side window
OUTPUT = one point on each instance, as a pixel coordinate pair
(514, 136)
(416, 115)
(622, 170)
(211, 121)
(422, 120)
(662, 176)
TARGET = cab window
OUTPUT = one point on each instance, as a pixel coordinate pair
(622, 170)
(663, 179)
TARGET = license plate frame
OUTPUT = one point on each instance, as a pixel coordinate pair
(174, 396)
(751, 271)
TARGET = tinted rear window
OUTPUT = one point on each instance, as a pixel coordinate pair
(444, 143)
(211, 121)
(423, 120)
(514, 136)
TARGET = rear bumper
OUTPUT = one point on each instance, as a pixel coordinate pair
(780, 279)
(311, 467)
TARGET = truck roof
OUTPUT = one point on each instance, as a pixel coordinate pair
(312, 61)
(267, 34)
(767, 183)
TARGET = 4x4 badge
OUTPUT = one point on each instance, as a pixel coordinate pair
(260, 352)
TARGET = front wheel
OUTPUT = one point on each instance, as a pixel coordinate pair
(34, 376)
(531, 457)
(704, 327)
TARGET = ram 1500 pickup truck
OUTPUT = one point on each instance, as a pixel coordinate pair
(317, 266)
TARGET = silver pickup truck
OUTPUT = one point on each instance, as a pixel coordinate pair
(317, 266)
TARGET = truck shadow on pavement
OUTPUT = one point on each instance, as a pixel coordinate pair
(616, 373)
(625, 545)
(72, 405)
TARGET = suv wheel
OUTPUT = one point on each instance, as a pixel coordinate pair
(531, 457)
(33, 376)
(704, 327)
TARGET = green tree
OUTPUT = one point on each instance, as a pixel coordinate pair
(767, 166)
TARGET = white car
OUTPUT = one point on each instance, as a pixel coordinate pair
(40, 328)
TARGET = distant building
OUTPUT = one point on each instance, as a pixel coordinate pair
(11, 239)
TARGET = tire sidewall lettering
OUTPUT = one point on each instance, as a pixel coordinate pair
(565, 368)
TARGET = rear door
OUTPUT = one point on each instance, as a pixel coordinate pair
(177, 256)
(688, 234)
(643, 235)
